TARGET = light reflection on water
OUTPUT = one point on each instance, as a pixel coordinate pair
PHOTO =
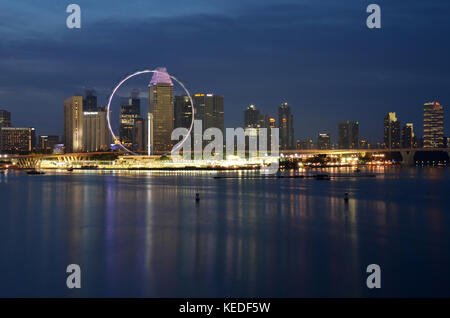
(141, 233)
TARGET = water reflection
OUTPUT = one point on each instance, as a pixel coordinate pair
(143, 234)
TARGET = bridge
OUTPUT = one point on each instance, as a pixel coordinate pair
(406, 153)
(33, 160)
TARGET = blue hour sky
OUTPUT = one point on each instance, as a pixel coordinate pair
(319, 56)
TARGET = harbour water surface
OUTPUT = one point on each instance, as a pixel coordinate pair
(142, 234)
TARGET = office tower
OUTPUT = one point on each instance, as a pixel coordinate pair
(183, 112)
(73, 124)
(392, 132)
(210, 109)
(140, 135)
(252, 117)
(268, 122)
(161, 107)
(149, 133)
(96, 136)
(348, 135)
(132, 125)
(127, 125)
(286, 126)
(47, 143)
(433, 125)
(5, 118)
(272, 122)
(134, 101)
(90, 101)
(323, 141)
(408, 139)
(17, 140)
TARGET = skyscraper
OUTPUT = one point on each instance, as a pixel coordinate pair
(182, 111)
(268, 121)
(161, 106)
(323, 141)
(134, 101)
(132, 125)
(408, 139)
(209, 109)
(96, 136)
(47, 143)
(252, 117)
(17, 140)
(73, 124)
(90, 101)
(5, 118)
(433, 125)
(392, 131)
(286, 127)
(348, 135)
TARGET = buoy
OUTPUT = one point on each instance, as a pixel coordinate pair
(346, 196)
(197, 196)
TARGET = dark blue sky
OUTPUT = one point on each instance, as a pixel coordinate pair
(317, 55)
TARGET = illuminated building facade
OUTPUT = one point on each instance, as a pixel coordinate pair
(252, 117)
(323, 141)
(47, 143)
(73, 124)
(182, 112)
(408, 138)
(96, 136)
(209, 109)
(348, 135)
(286, 126)
(392, 131)
(433, 125)
(17, 140)
(132, 126)
(161, 106)
(5, 118)
(90, 101)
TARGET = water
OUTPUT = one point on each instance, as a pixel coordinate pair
(142, 234)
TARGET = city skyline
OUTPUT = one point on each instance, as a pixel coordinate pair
(86, 126)
(331, 72)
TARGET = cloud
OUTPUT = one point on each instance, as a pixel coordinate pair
(317, 55)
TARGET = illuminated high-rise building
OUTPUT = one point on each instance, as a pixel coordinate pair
(96, 135)
(17, 140)
(392, 131)
(132, 126)
(408, 139)
(209, 109)
(73, 124)
(134, 101)
(5, 118)
(127, 125)
(90, 101)
(286, 127)
(182, 112)
(162, 108)
(47, 143)
(252, 117)
(348, 135)
(323, 141)
(433, 125)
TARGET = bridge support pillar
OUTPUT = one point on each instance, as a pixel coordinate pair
(408, 157)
